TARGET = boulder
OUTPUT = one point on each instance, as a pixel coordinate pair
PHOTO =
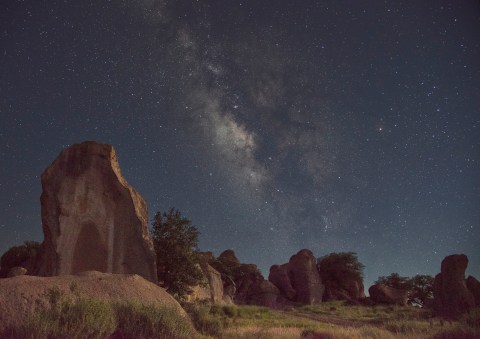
(450, 292)
(383, 294)
(473, 286)
(23, 296)
(212, 291)
(279, 276)
(92, 218)
(299, 279)
(253, 289)
(16, 271)
(350, 290)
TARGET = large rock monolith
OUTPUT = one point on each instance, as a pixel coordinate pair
(299, 279)
(92, 218)
(451, 296)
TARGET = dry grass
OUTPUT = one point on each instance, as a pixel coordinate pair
(332, 321)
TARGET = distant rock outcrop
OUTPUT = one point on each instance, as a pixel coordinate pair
(383, 294)
(23, 296)
(243, 284)
(450, 292)
(299, 279)
(92, 218)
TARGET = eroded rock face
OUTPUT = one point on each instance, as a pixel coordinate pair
(450, 292)
(215, 284)
(92, 218)
(299, 279)
(383, 294)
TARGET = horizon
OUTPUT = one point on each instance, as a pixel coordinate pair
(336, 127)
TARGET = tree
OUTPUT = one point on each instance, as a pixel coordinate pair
(340, 267)
(175, 241)
(420, 287)
(396, 281)
(23, 256)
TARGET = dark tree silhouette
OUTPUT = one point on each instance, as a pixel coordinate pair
(340, 266)
(175, 241)
(420, 287)
(23, 256)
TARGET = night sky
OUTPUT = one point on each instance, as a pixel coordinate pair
(272, 125)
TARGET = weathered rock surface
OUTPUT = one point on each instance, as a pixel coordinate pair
(253, 289)
(383, 294)
(280, 276)
(19, 295)
(229, 289)
(450, 292)
(16, 271)
(344, 290)
(212, 291)
(92, 218)
(473, 286)
(299, 279)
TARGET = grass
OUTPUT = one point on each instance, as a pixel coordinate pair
(89, 318)
(333, 320)
(77, 317)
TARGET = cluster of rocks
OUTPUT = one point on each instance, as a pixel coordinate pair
(295, 282)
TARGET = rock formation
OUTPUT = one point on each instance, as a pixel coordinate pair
(344, 290)
(22, 296)
(92, 218)
(450, 292)
(473, 286)
(299, 279)
(253, 289)
(212, 291)
(383, 294)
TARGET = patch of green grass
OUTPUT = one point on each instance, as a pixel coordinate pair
(89, 318)
(85, 318)
(139, 321)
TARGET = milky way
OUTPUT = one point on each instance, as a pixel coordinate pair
(272, 125)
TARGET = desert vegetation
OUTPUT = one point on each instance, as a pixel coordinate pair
(61, 317)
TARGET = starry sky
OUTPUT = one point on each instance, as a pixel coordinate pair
(272, 125)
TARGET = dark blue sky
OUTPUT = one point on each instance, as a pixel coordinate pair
(272, 125)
